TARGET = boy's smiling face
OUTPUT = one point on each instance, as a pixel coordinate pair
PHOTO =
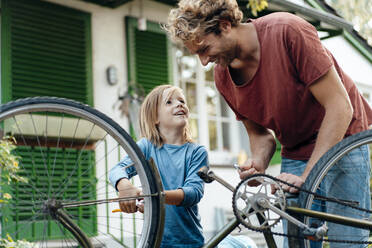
(172, 111)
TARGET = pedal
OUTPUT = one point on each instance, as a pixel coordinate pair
(203, 174)
(316, 234)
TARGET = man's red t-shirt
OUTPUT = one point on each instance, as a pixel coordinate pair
(278, 97)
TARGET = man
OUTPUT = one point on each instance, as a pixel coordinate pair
(275, 75)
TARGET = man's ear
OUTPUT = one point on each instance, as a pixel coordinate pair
(225, 26)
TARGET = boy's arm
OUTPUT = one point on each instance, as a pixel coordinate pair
(123, 168)
(193, 187)
(174, 197)
(119, 175)
(116, 174)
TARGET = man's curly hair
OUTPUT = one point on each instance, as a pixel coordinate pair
(195, 18)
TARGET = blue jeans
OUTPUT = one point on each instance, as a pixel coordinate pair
(345, 179)
(237, 242)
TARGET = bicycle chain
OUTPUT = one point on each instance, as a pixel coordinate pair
(315, 195)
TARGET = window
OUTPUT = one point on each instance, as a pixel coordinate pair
(211, 120)
(367, 96)
(186, 69)
(148, 62)
(219, 114)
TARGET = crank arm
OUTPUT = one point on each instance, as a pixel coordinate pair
(266, 204)
(208, 176)
(318, 233)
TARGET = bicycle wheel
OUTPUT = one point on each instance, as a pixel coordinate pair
(66, 150)
(343, 173)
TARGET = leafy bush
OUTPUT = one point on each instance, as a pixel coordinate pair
(9, 164)
(257, 6)
(6, 243)
(8, 161)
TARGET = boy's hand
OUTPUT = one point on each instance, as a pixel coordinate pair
(126, 189)
(141, 206)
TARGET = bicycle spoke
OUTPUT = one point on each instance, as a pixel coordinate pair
(67, 242)
(71, 180)
(32, 160)
(78, 159)
(95, 202)
(38, 141)
(55, 154)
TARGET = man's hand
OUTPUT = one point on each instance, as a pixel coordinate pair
(250, 167)
(289, 178)
(126, 189)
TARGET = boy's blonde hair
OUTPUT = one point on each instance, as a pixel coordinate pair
(196, 18)
(149, 115)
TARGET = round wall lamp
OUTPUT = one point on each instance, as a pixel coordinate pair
(112, 75)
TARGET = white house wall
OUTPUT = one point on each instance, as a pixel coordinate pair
(352, 62)
(109, 47)
(299, 2)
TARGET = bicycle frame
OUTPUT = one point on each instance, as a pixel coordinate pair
(366, 224)
(291, 210)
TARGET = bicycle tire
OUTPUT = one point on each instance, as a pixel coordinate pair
(321, 180)
(65, 150)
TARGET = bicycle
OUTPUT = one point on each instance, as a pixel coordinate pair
(256, 208)
(65, 150)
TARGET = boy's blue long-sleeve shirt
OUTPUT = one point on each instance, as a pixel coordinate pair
(177, 167)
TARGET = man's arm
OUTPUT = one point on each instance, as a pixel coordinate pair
(262, 144)
(331, 94)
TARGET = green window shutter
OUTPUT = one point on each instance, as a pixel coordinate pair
(148, 54)
(47, 168)
(46, 51)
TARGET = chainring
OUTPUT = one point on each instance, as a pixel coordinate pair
(245, 202)
(263, 221)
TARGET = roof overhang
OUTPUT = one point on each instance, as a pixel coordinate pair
(108, 3)
(325, 20)
(321, 19)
